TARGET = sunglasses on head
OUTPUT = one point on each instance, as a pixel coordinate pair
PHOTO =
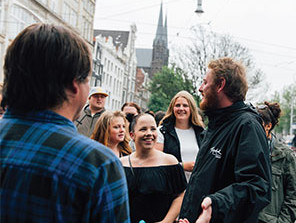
(262, 107)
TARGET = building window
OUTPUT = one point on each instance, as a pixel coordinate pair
(54, 5)
(70, 15)
(20, 18)
(123, 97)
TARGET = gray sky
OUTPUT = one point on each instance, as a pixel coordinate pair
(266, 27)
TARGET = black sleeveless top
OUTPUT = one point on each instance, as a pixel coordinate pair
(152, 190)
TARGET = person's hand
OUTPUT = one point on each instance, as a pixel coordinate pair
(206, 214)
(188, 166)
(183, 220)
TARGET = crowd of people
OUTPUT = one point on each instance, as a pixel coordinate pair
(65, 158)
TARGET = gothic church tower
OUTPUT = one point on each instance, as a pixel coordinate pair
(160, 52)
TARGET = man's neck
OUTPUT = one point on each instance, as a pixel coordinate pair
(224, 101)
(65, 111)
(95, 111)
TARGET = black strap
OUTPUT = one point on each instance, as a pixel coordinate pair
(79, 122)
(130, 163)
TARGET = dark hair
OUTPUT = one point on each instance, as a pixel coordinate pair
(41, 62)
(270, 113)
(234, 73)
(150, 112)
(135, 120)
(158, 116)
(131, 104)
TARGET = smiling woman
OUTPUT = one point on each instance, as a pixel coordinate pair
(179, 130)
(156, 181)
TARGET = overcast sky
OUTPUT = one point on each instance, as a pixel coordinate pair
(266, 27)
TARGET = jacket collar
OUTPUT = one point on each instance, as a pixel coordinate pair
(219, 116)
(88, 112)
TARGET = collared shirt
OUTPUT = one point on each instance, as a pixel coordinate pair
(51, 173)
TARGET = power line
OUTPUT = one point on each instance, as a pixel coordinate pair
(267, 43)
(135, 10)
(185, 28)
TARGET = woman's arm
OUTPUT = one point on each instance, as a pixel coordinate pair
(174, 210)
(188, 166)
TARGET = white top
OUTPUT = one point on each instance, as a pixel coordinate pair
(188, 145)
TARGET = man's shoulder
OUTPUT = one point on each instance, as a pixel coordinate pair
(84, 112)
(89, 147)
(83, 159)
(245, 116)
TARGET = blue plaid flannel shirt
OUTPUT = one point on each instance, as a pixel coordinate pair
(51, 173)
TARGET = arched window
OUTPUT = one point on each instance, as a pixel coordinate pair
(20, 17)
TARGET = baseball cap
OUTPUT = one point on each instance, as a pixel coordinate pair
(97, 90)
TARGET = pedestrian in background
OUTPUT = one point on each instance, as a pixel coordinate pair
(179, 130)
(92, 111)
(231, 179)
(282, 208)
(130, 109)
(111, 131)
(159, 116)
(156, 181)
(50, 172)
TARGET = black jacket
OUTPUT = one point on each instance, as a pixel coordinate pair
(232, 168)
(171, 142)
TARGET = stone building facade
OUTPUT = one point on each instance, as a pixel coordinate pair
(15, 15)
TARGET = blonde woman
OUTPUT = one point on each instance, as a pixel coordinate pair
(111, 130)
(179, 130)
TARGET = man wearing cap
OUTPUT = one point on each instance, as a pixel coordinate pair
(91, 113)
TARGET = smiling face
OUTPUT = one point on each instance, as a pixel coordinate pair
(207, 89)
(144, 133)
(182, 109)
(116, 130)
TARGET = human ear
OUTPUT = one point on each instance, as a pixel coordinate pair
(221, 84)
(132, 134)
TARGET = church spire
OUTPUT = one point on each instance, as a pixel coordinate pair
(160, 52)
(165, 32)
(159, 31)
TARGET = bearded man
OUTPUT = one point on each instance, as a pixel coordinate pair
(231, 178)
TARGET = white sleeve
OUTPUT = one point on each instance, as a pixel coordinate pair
(160, 138)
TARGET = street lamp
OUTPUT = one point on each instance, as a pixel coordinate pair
(199, 9)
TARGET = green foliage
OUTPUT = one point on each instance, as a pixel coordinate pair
(287, 100)
(165, 85)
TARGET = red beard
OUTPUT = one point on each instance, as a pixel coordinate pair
(210, 100)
